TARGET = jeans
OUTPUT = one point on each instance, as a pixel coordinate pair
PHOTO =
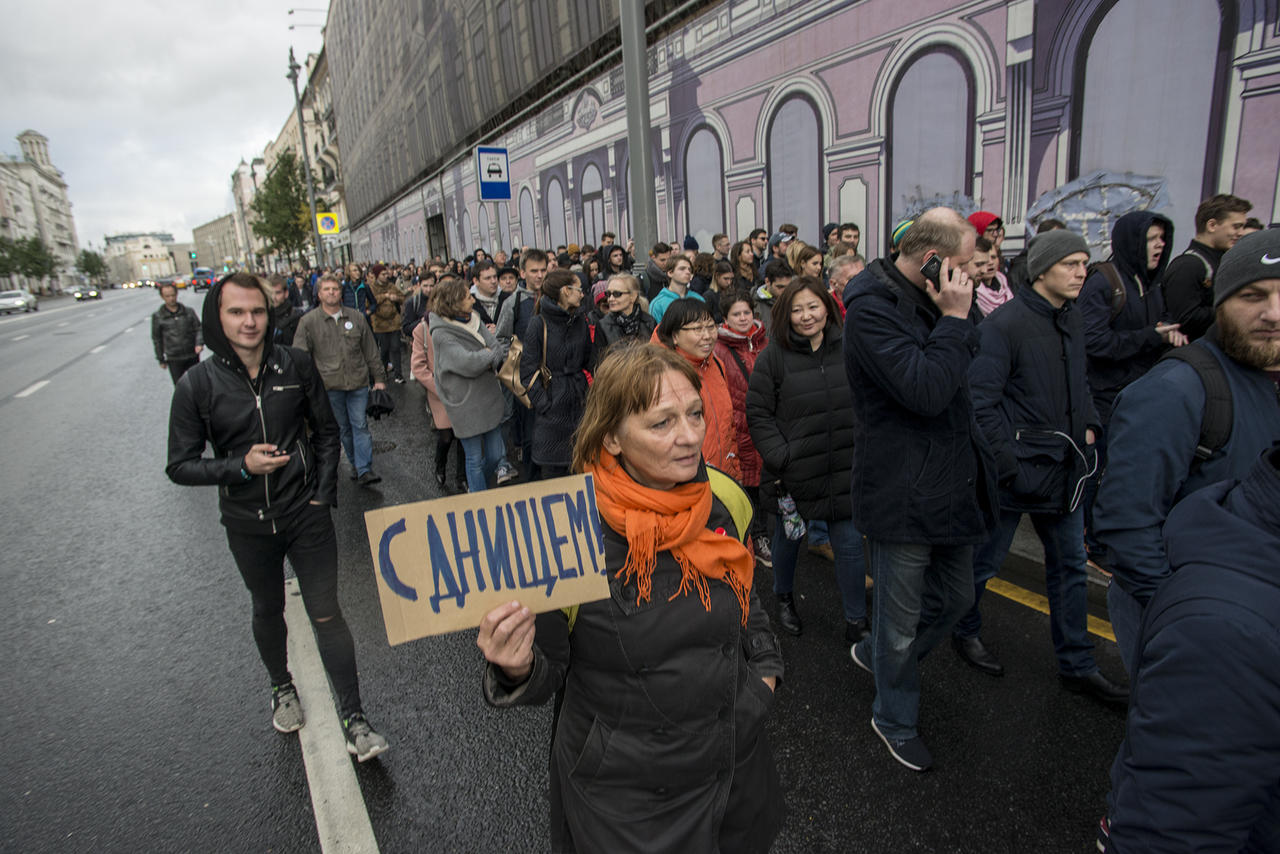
(907, 575)
(846, 543)
(389, 350)
(818, 535)
(349, 408)
(1126, 622)
(308, 540)
(484, 453)
(1065, 581)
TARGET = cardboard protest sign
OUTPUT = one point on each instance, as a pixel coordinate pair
(442, 565)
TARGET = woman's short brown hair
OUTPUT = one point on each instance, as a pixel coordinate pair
(448, 296)
(782, 308)
(798, 256)
(628, 381)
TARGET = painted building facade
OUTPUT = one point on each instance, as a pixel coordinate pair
(34, 203)
(772, 111)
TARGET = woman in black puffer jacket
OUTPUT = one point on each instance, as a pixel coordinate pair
(800, 415)
(558, 395)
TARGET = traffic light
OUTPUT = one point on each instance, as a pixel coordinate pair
(193, 256)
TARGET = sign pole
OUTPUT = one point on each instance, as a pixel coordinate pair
(635, 75)
(294, 68)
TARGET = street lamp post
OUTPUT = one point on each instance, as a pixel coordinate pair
(294, 68)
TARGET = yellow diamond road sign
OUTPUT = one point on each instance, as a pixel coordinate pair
(327, 222)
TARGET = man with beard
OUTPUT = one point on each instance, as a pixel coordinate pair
(1159, 452)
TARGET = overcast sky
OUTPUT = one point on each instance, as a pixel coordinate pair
(148, 105)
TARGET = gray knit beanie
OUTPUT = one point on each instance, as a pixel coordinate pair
(1050, 247)
(1255, 256)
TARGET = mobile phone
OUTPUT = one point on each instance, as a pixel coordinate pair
(932, 270)
(279, 452)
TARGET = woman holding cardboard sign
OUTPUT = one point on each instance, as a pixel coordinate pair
(659, 744)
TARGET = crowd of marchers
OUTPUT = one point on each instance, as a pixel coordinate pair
(898, 417)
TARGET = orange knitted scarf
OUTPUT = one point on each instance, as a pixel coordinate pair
(675, 520)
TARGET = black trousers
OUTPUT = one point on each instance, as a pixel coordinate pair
(308, 540)
(178, 367)
(389, 351)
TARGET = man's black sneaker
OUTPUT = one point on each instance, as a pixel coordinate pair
(858, 659)
(362, 742)
(856, 630)
(369, 478)
(286, 709)
(974, 653)
(1097, 686)
(911, 752)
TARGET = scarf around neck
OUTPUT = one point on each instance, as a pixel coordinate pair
(630, 323)
(675, 520)
(471, 324)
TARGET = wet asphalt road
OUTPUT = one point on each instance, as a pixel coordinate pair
(135, 709)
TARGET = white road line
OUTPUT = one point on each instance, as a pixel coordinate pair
(19, 337)
(98, 349)
(32, 389)
(342, 821)
(130, 329)
(64, 323)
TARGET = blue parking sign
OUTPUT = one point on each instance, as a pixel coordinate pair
(492, 173)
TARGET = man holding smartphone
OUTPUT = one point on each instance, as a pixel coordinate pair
(923, 477)
(263, 408)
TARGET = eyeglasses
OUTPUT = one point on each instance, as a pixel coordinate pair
(616, 294)
(700, 329)
(572, 287)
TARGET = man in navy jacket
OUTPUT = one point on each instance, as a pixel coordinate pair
(1155, 431)
(923, 478)
(1031, 397)
(1197, 768)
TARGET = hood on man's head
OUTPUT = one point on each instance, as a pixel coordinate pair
(211, 319)
(826, 231)
(1129, 243)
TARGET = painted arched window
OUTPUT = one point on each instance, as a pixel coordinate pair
(465, 247)
(704, 187)
(453, 238)
(555, 214)
(592, 205)
(528, 237)
(504, 228)
(482, 219)
(795, 170)
(1123, 122)
(931, 123)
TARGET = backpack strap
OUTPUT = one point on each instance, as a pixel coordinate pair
(742, 366)
(734, 499)
(1208, 268)
(1118, 294)
(1219, 406)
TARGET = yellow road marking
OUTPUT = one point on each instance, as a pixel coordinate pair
(1101, 628)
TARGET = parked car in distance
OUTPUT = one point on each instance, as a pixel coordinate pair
(84, 292)
(19, 300)
(203, 278)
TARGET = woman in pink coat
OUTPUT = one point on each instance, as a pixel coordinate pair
(422, 364)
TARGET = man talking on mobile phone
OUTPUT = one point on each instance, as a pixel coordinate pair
(924, 492)
(264, 410)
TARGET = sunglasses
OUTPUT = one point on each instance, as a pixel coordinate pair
(616, 294)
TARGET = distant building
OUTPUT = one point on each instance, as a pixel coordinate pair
(326, 161)
(215, 244)
(146, 255)
(34, 203)
(183, 263)
(245, 181)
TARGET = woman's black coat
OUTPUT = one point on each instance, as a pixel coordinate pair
(557, 406)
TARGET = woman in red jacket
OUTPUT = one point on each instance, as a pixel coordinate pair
(691, 332)
(741, 338)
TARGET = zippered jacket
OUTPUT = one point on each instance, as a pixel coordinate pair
(175, 334)
(216, 404)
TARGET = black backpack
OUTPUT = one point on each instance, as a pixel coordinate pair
(1219, 406)
(1112, 275)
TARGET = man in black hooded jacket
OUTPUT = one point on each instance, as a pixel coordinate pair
(1124, 326)
(264, 409)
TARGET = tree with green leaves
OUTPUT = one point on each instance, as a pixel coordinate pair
(91, 264)
(8, 257)
(284, 217)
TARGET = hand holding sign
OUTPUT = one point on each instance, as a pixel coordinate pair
(506, 639)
